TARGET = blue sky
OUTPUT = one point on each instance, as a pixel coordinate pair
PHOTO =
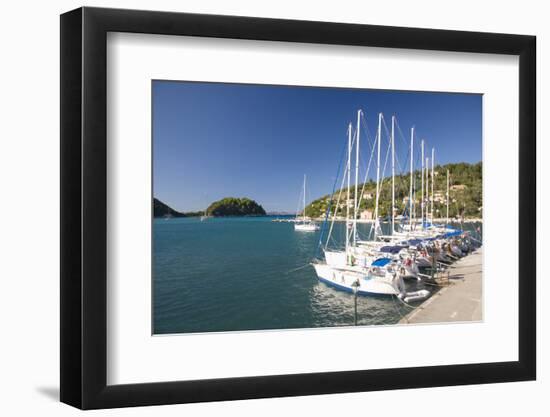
(215, 140)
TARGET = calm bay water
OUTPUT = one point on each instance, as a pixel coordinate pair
(249, 273)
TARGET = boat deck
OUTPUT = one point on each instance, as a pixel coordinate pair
(460, 301)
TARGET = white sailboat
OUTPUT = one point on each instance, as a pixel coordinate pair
(205, 216)
(378, 266)
(364, 283)
(304, 224)
(358, 269)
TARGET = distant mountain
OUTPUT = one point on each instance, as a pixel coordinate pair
(233, 206)
(281, 213)
(163, 210)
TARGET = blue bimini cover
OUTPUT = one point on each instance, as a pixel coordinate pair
(381, 262)
(453, 233)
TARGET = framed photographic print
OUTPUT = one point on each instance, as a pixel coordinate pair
(258, 208)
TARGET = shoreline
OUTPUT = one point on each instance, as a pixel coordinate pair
(472, 220)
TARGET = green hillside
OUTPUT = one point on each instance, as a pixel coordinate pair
(465, 195)
(163, 210)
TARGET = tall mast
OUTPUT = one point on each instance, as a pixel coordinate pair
(347, 202)
(433, 164)
(356, 209)
(427, 186)
(304, 197)
(414, 200)
(378, 176)
(422, 183)
(411, 186)
(447, 220)
(392, 174)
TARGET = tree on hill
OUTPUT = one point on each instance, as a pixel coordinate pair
(465, 197)
(233, 206)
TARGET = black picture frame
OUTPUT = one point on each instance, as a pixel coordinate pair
(84, 207)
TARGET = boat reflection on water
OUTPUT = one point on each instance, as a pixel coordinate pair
(336, 308)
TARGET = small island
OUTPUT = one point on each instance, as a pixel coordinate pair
(233, 206)
(229, 206)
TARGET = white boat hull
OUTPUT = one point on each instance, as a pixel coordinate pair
(369, 284)
(336, 259)
(306, 227)
(416, 296)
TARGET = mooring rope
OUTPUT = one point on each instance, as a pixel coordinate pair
(297, 269)
(396, 308)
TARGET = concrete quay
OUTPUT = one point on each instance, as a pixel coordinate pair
(460, 300)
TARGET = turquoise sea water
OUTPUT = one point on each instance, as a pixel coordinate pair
(249, 273)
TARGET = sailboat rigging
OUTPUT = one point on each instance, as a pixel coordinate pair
(379, 266)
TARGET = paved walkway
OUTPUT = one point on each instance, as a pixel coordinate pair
(460, 301)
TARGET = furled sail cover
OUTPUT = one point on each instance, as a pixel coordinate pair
(391, 249)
